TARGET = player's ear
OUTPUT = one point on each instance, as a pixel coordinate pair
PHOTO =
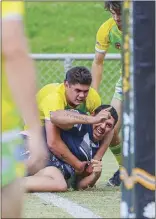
(65, 83)
(93, 114)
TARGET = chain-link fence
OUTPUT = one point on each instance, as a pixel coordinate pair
(52, 68)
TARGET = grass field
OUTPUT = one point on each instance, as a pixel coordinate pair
(64, 27)
(70, 27)
(102, 200)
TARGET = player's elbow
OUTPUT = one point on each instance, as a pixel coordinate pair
(98, 61)
(53, 146)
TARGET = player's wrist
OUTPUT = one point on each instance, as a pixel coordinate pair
(91, 119)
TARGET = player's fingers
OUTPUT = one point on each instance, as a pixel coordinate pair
(94, 161)
(109, 108)
(97, 164)
(96, 169)
(106, 114)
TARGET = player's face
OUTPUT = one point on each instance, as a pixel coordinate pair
(101, 129)
(116, 14)
(76, 94)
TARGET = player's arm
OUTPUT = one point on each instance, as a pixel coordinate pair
(20, 69)
(88, 180)
(21, 77)
(104, 146)
(97, 69)
(66, 119)
(101, 47)
(59, 148)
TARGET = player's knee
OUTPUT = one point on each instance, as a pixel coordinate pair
(56, 175)
(62, 186)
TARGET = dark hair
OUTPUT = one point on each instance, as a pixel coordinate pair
(116, 5)
(79, 75)
(112, 111)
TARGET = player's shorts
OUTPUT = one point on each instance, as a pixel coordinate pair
(66, 169)
(12, 162)
(118, 94)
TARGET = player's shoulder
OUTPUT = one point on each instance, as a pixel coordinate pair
(12, 8)
(106, 26)
(93, 93)
(52, 94)
(93, 99)
(46, 90)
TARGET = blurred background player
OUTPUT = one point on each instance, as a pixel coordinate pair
(110, 33)
(18, 80)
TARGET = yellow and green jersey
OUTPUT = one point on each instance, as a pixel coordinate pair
(52, 97)
(108, 34)
(10, 117)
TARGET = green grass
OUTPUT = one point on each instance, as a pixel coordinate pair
(64, 27)
(102, 200)
(68, 27)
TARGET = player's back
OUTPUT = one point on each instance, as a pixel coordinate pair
(80, 142)
(46, 90)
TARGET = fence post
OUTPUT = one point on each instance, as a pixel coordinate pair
(67, 64)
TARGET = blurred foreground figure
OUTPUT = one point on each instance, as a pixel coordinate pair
(18, 82)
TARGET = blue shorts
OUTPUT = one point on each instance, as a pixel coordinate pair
(66, 169)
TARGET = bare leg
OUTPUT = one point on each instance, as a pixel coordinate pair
(12, 199)
(49, 179)
(115, 145)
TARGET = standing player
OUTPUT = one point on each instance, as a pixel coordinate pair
(110, 33)
(18, 80)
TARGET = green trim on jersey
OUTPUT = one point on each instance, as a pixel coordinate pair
(115, 37)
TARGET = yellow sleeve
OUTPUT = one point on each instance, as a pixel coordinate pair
(12, 9)
(51, 103)
(93, 100)
(102, 37)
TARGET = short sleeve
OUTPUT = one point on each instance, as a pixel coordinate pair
(102, 39)
(12, 9)
(51, 103)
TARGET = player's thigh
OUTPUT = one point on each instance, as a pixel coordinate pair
(12, 169)
(117, 104)
(117, 101)
(52, 172)
(12, 199)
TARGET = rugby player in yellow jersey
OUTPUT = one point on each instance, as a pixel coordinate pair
(110, 33)
(18, 80)
(74, 93)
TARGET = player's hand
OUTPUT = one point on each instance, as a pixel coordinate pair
(102, 116)
(81, 167)
(97, 166)
(89, 168)
(38, 152)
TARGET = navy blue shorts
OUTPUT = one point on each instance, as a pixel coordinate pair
(66, 169)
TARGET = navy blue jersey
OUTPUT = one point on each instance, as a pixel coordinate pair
(80, 142)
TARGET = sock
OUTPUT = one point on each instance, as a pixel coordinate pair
(116, 150)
